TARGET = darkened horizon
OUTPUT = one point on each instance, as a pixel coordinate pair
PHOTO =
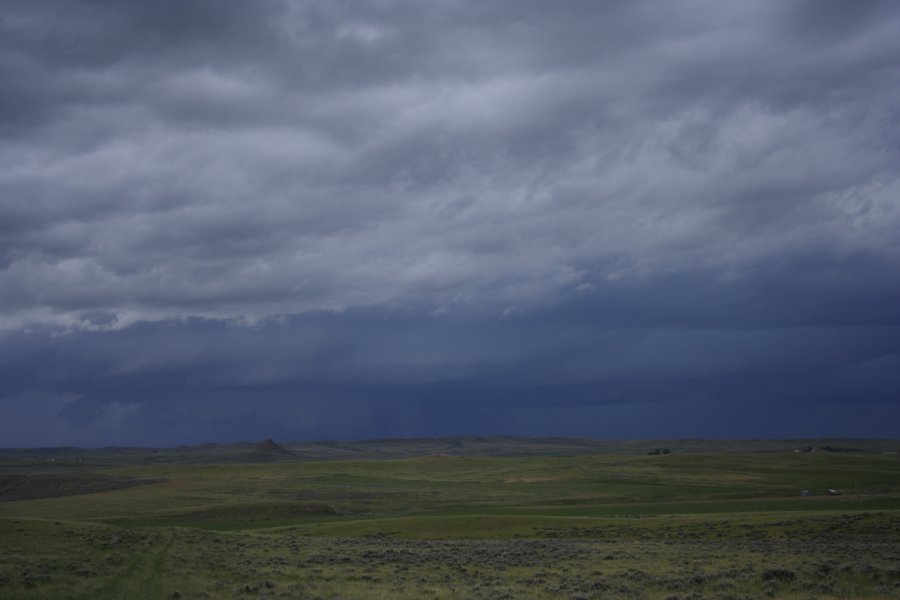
(225, 221)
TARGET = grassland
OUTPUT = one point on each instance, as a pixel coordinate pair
(453, 518)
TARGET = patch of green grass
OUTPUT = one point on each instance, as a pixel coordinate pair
(826, 555)
(439, 483)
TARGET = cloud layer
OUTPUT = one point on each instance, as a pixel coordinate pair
(375, 201)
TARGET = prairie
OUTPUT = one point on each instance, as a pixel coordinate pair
(453, 518)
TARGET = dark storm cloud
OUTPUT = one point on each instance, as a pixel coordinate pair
(368, 204)
(364, 375)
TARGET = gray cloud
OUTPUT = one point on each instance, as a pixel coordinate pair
(366, 375)
(447, 178)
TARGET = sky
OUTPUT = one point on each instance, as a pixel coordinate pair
(227, 220)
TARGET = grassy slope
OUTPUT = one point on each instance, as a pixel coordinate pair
(600, 485)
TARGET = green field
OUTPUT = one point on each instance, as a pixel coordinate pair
(453, 518)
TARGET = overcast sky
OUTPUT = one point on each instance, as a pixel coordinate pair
(305, 220)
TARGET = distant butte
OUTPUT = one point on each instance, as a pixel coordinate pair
(269, 447)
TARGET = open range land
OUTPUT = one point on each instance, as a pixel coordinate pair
(466, 517)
